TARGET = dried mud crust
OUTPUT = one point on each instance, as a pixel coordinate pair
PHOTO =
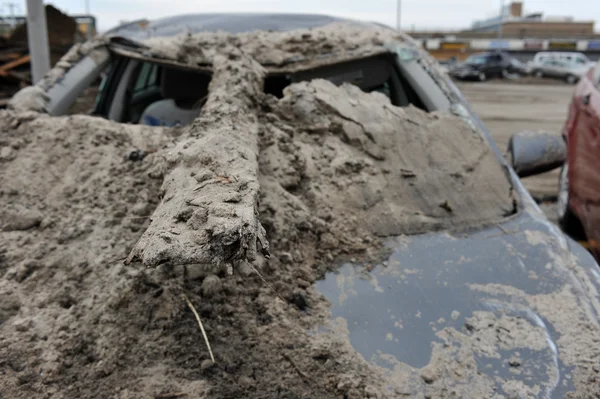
(295, 49)
(323, 170)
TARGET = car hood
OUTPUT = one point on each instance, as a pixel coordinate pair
(505, 297)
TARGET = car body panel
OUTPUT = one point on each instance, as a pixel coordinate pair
(582, 131)
(434, 281)
(228, 22)
(64, 93)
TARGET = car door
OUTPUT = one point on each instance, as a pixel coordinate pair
(557, 68)
(547, 67)
(562, 68)
(494, 65)
(584, 153)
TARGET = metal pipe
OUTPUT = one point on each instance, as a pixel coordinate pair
(37, 37)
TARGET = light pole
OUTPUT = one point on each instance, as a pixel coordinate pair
(501, 19)
(37, 37)
(89, 24)
(398, 10)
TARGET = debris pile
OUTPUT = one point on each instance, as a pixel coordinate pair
(62, 30)
(14, 53)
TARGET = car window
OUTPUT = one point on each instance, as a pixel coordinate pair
(580, 61)
(370, 74)
(147, 77)
(377, 73)
(477, 59)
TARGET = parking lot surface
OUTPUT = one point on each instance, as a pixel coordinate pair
(510, 108)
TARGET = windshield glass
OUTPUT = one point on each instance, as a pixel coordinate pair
(477, 59)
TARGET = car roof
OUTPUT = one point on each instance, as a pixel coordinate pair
(227, 22)
(282, 43)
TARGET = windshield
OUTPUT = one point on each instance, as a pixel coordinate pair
(477, 59)
(412, 186)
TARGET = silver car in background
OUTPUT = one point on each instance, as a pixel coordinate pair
(568, 70)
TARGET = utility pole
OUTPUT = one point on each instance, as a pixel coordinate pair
(501, 19)
(37, 35)
(398, 13)
(11, 10)
(89, 23)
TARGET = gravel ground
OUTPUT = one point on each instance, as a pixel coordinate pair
(507, 108)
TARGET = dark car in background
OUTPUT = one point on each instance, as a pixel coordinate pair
(484, 66)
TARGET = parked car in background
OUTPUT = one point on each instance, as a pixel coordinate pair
(568, 70)
(571, 57)
(484, 66)
(579, 184)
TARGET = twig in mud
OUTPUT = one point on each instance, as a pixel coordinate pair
(302, 373)
(265, 281)
(112, 262)
(170, 395)
(224, 179)
(201, 326)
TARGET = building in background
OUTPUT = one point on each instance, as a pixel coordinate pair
(517, 24)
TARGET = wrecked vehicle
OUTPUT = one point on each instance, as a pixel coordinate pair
(324, 206)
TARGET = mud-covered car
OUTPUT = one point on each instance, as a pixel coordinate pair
(320, 202)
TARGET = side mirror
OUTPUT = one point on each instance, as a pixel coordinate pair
(533, 153)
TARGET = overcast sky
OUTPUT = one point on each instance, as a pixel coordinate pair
(418, 13)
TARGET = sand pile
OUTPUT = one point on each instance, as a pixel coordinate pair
(282, 187)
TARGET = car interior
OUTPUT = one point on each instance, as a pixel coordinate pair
(148, 93)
